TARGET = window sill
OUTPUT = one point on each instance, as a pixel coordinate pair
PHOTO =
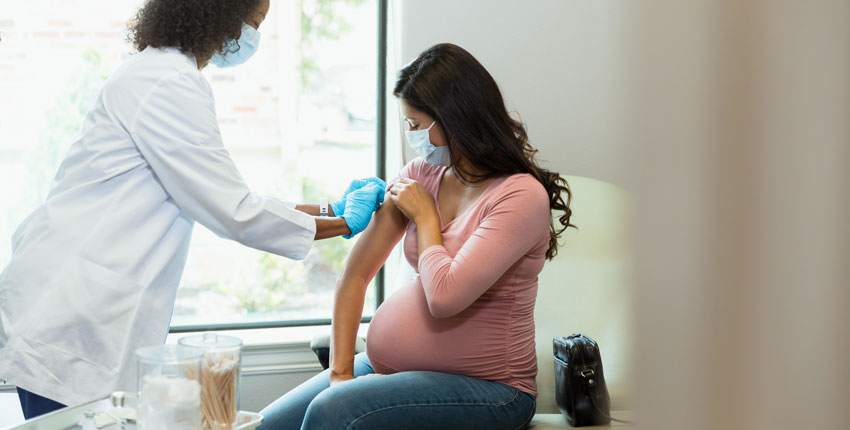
(266, 337)
(267, 350)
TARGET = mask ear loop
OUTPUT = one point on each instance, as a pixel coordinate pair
(245, 27)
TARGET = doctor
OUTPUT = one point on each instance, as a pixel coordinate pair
(95, 269)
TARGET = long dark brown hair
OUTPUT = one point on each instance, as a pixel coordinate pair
(450, 85)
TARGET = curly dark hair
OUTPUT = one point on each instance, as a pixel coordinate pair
(197, 27)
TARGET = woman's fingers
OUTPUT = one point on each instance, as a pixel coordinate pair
(411, 198)
(399, 204)
(397, 188)
(403, 182)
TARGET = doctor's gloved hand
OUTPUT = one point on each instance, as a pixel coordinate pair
(338, 206)
(359, 206)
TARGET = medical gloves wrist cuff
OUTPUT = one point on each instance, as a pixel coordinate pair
(359, 206)
(338, 206)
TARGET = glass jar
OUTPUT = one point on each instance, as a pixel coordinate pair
(169, 387)
(221, 367)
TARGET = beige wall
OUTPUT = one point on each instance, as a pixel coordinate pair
(741, 118)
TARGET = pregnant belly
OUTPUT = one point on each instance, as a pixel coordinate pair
(405, 336)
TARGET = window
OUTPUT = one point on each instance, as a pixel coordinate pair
(299, 120)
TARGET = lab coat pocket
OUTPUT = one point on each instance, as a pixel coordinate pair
(89, 313)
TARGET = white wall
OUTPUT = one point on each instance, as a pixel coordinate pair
(587, 288)
(558, 63)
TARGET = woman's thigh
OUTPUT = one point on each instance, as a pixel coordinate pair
(287, 412)
(419, 400)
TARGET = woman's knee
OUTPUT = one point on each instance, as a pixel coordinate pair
(336, 407)
(324, 412)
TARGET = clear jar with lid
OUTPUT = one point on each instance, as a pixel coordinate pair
(221, 369)
(169, 387)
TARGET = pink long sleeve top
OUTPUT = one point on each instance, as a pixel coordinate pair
(470, 310)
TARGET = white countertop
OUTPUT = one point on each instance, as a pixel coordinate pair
(557, 421)
(10, 410)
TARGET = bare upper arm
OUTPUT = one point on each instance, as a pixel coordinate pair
(376, 242)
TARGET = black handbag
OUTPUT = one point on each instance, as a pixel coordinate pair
(580, 389)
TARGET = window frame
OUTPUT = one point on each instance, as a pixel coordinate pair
(381, 158)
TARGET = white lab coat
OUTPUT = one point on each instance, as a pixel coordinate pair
(95, 269)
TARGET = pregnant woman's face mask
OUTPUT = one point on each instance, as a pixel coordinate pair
(420, 141)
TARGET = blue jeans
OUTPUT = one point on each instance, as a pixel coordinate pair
(34, 405)
(405, 400)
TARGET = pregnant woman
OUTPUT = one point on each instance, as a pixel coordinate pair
(454, 348)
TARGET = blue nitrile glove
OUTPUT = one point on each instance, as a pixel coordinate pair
(339, 206)
(359, 206)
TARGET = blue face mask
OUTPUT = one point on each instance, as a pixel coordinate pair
(248, 43)
(421, 143)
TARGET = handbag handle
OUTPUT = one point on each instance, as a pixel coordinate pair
(591, 388)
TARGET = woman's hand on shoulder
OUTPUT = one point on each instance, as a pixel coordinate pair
(414, 201)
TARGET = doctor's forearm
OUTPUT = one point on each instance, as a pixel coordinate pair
(326, 227)
(313, 209)
(330, 227)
